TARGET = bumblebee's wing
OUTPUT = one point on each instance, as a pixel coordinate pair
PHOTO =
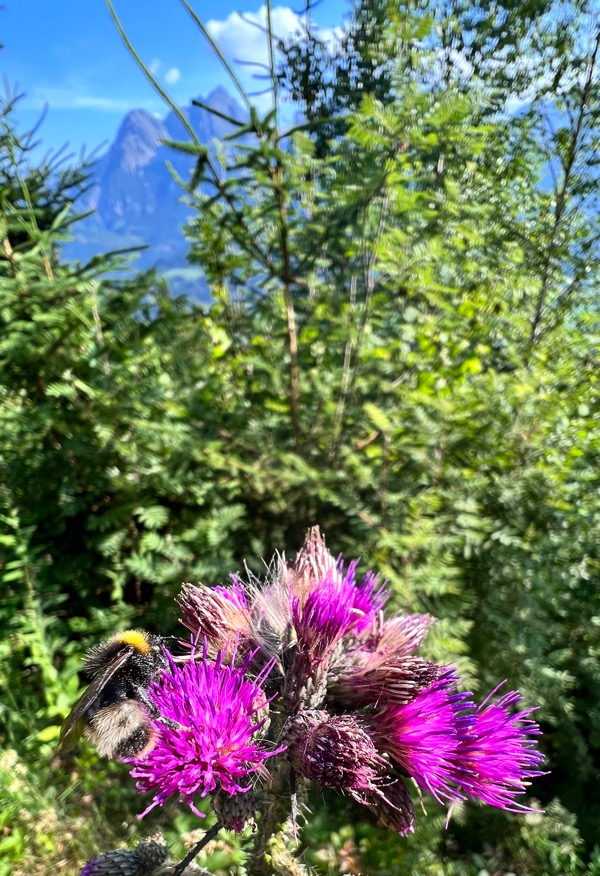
(72, 729)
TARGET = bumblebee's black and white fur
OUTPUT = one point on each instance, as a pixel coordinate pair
(114, 713)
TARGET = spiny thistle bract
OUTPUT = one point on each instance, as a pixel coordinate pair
(304, 671)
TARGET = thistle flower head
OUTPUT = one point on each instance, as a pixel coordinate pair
(498, 755)
(234, 812)
(219, 616)
(337, 752)
(321, 621)
(393, 806)
(396, 680)
(330, 608)
(206, 728)
(314, 566)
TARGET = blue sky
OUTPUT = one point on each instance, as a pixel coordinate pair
(68, 54)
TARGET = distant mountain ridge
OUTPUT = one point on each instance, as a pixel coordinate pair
(134, 196)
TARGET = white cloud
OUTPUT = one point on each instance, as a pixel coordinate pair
(65, 98)
(243, 37)
(154, 66)
(172, 76)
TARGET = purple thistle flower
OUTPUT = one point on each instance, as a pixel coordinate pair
(498, 755)
(235, 593)
(207, 743)
(314, 565)
(332, 608)
(423, 736)
(322, 621)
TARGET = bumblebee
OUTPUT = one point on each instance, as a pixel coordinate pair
(114, 713)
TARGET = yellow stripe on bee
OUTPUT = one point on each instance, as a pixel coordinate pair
(138, 639)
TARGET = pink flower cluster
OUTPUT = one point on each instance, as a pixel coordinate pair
(355, 708)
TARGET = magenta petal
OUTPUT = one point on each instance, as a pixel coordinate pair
(500, 755)
(424, 735)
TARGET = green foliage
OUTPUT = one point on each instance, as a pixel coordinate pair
(541, 844)
(402, 347)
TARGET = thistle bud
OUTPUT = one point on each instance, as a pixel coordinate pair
(235, 812)
(395, 680)
(312, 564)
(336, 751)
(141, 861)
(393, 808)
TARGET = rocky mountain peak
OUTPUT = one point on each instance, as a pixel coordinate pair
(137, 141)
(134, 196)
